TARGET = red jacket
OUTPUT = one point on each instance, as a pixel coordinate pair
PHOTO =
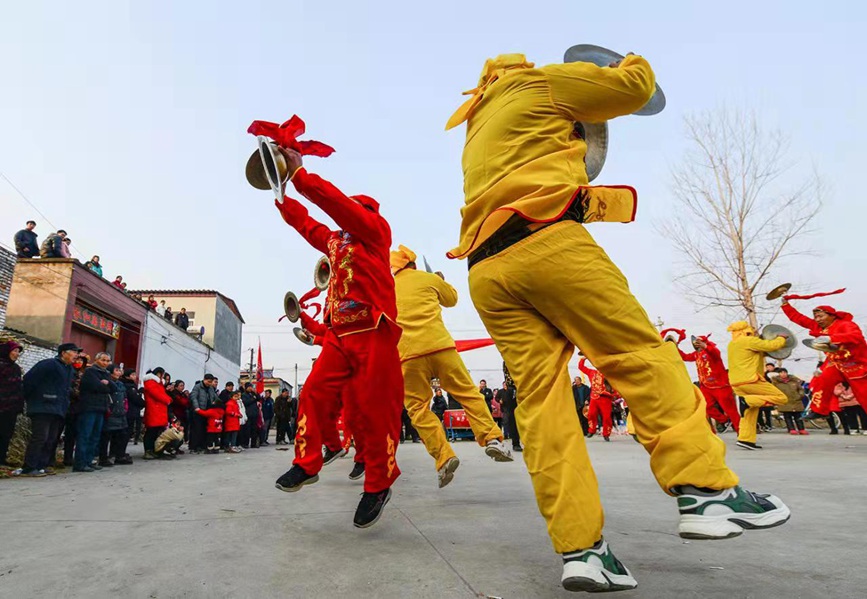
(314, 327)
(180, 405)
(361, 291)
(232, 417)
(598, 387)
(157, 402)
(708, 362)
(215, 419)
(851, 358)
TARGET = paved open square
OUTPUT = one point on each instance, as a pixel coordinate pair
(215, 526)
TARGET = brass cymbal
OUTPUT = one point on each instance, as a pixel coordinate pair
(778, 291)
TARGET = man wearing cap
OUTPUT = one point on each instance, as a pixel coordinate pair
(846, 363)
(746, 354)
(542, 285)
(714, 379)
(46, 390)
(360, 345)
(427, 351)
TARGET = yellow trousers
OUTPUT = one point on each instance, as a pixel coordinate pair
(538, 299)
(756, 395)
(455, 378)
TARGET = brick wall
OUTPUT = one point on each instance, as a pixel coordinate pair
(7, 267)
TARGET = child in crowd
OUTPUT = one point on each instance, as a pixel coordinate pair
(215, 416)
(232, 423)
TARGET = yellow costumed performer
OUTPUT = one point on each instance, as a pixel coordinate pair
(747, 376)
(427, 351)
(542, 286)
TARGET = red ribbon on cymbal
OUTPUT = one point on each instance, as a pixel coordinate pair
(681, 333)
(812, 295)
(286, 136)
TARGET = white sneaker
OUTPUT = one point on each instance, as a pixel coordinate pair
(595, 570)
(447, 472)
(728, 513)
(498, 451)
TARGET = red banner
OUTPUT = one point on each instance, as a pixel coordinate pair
(95, 321)
(260, 373)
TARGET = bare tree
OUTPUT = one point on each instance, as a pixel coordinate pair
(740, 211)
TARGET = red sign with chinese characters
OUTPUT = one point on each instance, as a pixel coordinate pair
(95, 321)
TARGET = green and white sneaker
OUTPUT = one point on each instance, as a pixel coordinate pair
(727, 513)
(595, 570)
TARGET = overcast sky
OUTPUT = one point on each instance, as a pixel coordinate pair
(125, 124)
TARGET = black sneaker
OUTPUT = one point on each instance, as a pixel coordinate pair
(517, 448)
(357, 471)
(607, 438)
(329, 456)
(748, 445)
(742, 406)
(370, 508)
(105, 464)
(294, 479)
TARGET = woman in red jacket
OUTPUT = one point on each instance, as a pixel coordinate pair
(232, 424)
(156, 416)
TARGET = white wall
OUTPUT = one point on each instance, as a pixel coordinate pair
(181, 355)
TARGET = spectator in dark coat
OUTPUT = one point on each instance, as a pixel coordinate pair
(70, 424)
(25, 241)
(202, 397)
(267, 417)
(52, 245)
(293, 419)
(11, 394)
(487, 394)
(94, 399)
(46, 391)
(509, 403)
(182, 319)
(282, 417)
(135, 404)
(440, 405)
(114, 432)
(249, 435)
(581, 395)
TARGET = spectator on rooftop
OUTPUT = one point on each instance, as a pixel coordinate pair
(168, 314)
(65, 251)
(51, 245)
(152, 303)
(161, 308)
(25, 241)
(94, 266)
(118, 282)
(182, 320)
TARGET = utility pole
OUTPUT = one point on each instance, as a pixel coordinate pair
(250, 372)
(295, 389)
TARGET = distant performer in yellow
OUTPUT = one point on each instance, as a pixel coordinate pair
(427, 351)
(747, 376)
(542, 285)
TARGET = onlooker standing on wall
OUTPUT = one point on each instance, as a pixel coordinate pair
(51, 245)
(114, 432)
(161, 308)
(11, 394)
(94, 266)
(118, 282)
(267, 417)
(46, 391)
(65, 251)
(94, 398)
(152, 303)
(202, 397)
(182, 319)
(156, 417)
(25, 241)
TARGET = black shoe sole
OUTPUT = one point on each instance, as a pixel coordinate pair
(335, 457)
(308, 481)
(378, 516)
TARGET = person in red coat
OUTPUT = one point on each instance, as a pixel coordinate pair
(156, 416)
(360, 345)
(847, 363)
(714, 379)
(232, 424)
(214, 416)
(602, 396)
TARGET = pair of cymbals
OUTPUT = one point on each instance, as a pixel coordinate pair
(778, 291)
(822, 347)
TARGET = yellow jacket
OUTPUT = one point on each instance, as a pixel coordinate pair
(420, 296)
(521, 154)
(747, 357)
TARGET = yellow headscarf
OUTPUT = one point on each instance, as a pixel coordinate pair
(494, 69)
(741, 328)
(400, 258)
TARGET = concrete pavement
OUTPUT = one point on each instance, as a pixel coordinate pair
(215, 526)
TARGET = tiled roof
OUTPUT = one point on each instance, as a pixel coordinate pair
(191, 293)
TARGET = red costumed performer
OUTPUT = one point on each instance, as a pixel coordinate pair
(602, 396)
(847, 363)
(359, 349)
(714, 379)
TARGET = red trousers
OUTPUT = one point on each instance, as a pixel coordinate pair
(823, 385)
(603, 405)
(366, 368)
(721, 405)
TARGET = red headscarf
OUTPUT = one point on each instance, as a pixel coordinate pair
(833, 312)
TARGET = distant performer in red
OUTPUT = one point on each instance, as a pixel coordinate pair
(602, 396)
(846, 363)
(714, 379)
(359, 347)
